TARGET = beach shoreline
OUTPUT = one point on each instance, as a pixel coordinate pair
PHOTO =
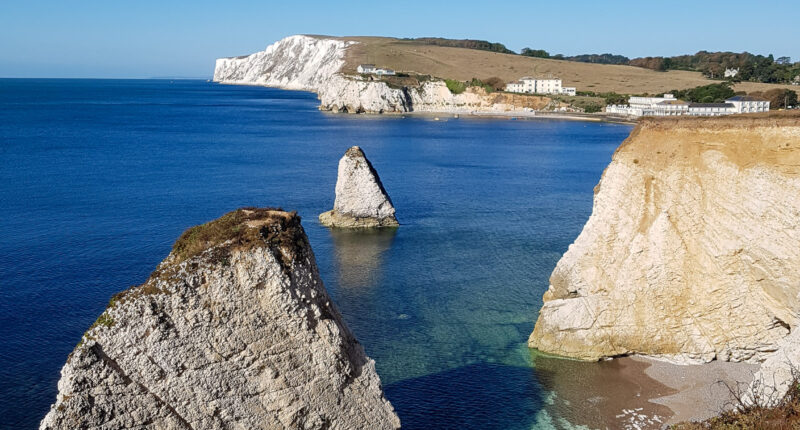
(701, 390)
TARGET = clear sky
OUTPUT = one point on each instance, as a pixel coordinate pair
(147, 38)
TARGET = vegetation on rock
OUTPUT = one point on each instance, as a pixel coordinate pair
(233, 226)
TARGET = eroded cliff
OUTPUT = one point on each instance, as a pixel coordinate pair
(361, 201)
(314, 63)
(233, 330)
(692, 251)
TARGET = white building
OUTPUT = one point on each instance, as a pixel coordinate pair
(711, 109)
(370, 69)
(730, 73)
(643, 106)
(539, 86)
(366, 68)
(747, 104)
(670, 106)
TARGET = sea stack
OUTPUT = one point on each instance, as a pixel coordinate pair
(692, 251)
(361, 201)
(234, 329)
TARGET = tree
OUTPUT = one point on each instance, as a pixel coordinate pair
(784, 60)
(714, 93)
(539, 53)
(779, 98)
(496, 83)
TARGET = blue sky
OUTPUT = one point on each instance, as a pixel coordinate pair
(147, 38)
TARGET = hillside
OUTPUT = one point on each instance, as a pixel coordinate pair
(465, 64)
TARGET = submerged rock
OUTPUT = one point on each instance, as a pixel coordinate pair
(234, 329)
(692, 251)
(361, 200)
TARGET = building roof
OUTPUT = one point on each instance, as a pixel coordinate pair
(364, 66)
(672, 102)
(745, 99)
(711, 105)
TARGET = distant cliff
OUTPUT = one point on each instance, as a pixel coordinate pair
(234, 329)
(692, 251)
(314, 63)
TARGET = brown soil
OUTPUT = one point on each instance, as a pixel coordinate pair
(771, 139)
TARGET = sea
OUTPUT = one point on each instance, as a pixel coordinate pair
(99, 177)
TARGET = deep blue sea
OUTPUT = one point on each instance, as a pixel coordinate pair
(99, 177)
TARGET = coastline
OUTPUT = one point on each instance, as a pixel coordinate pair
(568, 116)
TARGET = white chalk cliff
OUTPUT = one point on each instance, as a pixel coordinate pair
(313, 63)
(692, 251)
(361, 200)
(233, 330)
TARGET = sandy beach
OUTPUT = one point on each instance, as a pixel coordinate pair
(701, 390)
(570, 116)
(637, 392)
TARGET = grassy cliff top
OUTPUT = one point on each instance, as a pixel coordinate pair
(770, 139)
(464, 64)
(242, 227)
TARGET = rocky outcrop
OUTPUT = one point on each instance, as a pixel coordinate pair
(313, 63)
(692, 251)
(361, 201)
(234, 329)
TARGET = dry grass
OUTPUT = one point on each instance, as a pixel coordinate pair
(242, 226)
(465, 64)
(763, 409)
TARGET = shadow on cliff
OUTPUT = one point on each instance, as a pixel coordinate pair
(477, 396)
(359, 255)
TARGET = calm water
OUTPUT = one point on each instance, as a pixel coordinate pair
(98, 178)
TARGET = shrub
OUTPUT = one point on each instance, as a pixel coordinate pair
(592, 108)
(496, 83)
(757, 407)
(455, 87)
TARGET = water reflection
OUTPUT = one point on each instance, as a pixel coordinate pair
(359, 255)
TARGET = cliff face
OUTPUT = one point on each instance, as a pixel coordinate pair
(233, 329)
(691, 251)
(312, 63)
(294, 63)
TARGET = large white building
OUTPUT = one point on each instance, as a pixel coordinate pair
(539, 86)
(670, 106)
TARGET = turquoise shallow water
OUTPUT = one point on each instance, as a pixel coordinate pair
(98, 178)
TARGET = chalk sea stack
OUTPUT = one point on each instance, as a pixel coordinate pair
(692, 251)
(234, 329)
(361, 201)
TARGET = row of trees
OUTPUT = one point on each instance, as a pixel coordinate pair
(584, 58)
(779, 98)
(482, 45)
(756, 68)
